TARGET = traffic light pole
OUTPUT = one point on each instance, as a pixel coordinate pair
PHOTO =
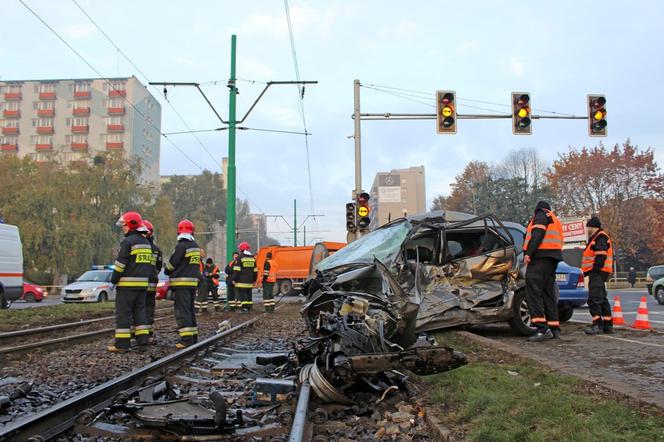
(357, 136)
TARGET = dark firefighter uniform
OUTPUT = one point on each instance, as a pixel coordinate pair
(597, 265)
(270, 269)
(233, 304)
(245, 274)
(157, 264)
(183, 267)
(544, 245)
(201, 303)
(211, 277)
(131, 274)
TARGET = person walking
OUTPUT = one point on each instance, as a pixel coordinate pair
(270, 269)
(245, 274)
(543, 251)
(183, 267)
(132, 271)
(157, 263)
(597, 265)
(631, 277)
(231, 296)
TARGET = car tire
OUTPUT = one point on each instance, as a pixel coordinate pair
(103, 297)
(520, 321)
(659, 295)
(30, 297)
(285, 287)
(4, 304)
(565, 313)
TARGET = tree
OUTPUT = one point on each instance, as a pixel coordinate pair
(162, 216)
(439, 203)
(463, 196)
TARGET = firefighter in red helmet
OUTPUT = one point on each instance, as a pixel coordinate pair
(245, 274)
(131, 274)
(183, 267)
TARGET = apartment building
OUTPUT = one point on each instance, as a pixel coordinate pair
(74, 120)
(395, 194)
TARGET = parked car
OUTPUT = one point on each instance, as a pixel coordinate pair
(655, 282)
(11, 265)
(33, 292)
(92, 286)
(459, 268)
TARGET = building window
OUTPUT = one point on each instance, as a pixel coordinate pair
(10, 123)
(41, 139)
(10, 106)
(114, 85)
(43, 105)
(42, 122)
(8, 139)
(79, 121)
(81, 86)
(76, 139)
(114, 121)
(115, 103)
(45, 88)
(10, 89)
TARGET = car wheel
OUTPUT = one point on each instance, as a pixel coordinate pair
(103, 297)
(286, 287)
(659, 295)
(4, 304)
(565, 313)
(30, 297)
(520, 321)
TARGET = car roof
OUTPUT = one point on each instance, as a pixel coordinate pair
(451, 216)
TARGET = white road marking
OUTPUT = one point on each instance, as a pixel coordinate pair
(632, 341)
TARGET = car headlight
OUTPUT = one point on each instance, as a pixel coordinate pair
(87, 291)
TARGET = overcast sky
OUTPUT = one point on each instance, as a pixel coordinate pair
(558, 52)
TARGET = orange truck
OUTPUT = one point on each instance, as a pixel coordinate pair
(295, 264)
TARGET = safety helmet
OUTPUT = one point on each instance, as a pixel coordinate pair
(243, 246)
(150, 228)
(132, 220)
(185, 226)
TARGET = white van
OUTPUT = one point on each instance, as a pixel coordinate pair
(11, 265)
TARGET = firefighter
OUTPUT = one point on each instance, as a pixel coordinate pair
(131, 274)
(597, 265)
(543, 251)
(270, 269)
(245, 274)
(201, 301)
(157, 263)
(183, 267)
(211, 276)
(233, 304)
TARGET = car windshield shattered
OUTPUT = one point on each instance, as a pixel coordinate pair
(372, 304)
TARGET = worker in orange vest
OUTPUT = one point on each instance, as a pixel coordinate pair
(270, 269)
(597, 265)
(543, 251)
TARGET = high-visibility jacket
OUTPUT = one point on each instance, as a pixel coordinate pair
(591, 254)
(245, 271)
(133, 266)
(183, 266)
(270, 269)
(553, 236)
(211, 273)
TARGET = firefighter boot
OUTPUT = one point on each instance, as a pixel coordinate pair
(556, 332)
(594, 329)
(607, 326)
(543, 334)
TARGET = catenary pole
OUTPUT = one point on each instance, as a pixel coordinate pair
(230, 192)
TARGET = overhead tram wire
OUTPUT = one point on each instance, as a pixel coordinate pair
(105, 79)
(121, 52)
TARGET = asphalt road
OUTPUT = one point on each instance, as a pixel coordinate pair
(47, 302)
(629, 299)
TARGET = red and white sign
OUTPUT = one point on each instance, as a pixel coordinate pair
(574, 230)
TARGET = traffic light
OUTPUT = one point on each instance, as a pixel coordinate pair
(351, 221)
(521, 118)
(363, 212)
(597, 115)
(446, 112)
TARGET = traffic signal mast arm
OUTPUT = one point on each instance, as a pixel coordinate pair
(401, 116)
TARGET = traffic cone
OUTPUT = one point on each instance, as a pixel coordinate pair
(617, 312)
(642, 322)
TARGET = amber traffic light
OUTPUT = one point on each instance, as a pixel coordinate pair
(597, 116)
(363, 211)
(446, 112)
(521, 114)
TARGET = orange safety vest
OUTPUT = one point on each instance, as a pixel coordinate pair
(214, 270)
(553, 237)
(272, 275)
(589, 255)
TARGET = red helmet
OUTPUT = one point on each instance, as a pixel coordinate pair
(185, 226)
(149, 226)
(132, 220)
(244, 246)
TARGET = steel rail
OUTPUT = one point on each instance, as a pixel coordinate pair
(53, 421)
(300, 419)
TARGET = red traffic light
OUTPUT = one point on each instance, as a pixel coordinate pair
(599, 102)
(448, 98)
(523, 100)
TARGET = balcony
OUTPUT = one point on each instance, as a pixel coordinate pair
(117, 93)
(10, 130)
(81, 111)
(45, 147)
(82, 94)
(45, 130)
(116, 110)
(46, 112)
(8, 147)
(13, 96)
(114, 146)
(47, 95)
(115, 128)
(80, 129)
(11, 113)
(79, 146)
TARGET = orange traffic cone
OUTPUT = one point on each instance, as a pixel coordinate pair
(642, 322)
(617, 312)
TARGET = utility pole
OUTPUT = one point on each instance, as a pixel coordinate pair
(230, 192)
(294, 223)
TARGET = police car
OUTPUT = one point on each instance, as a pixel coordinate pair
(92, 286)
